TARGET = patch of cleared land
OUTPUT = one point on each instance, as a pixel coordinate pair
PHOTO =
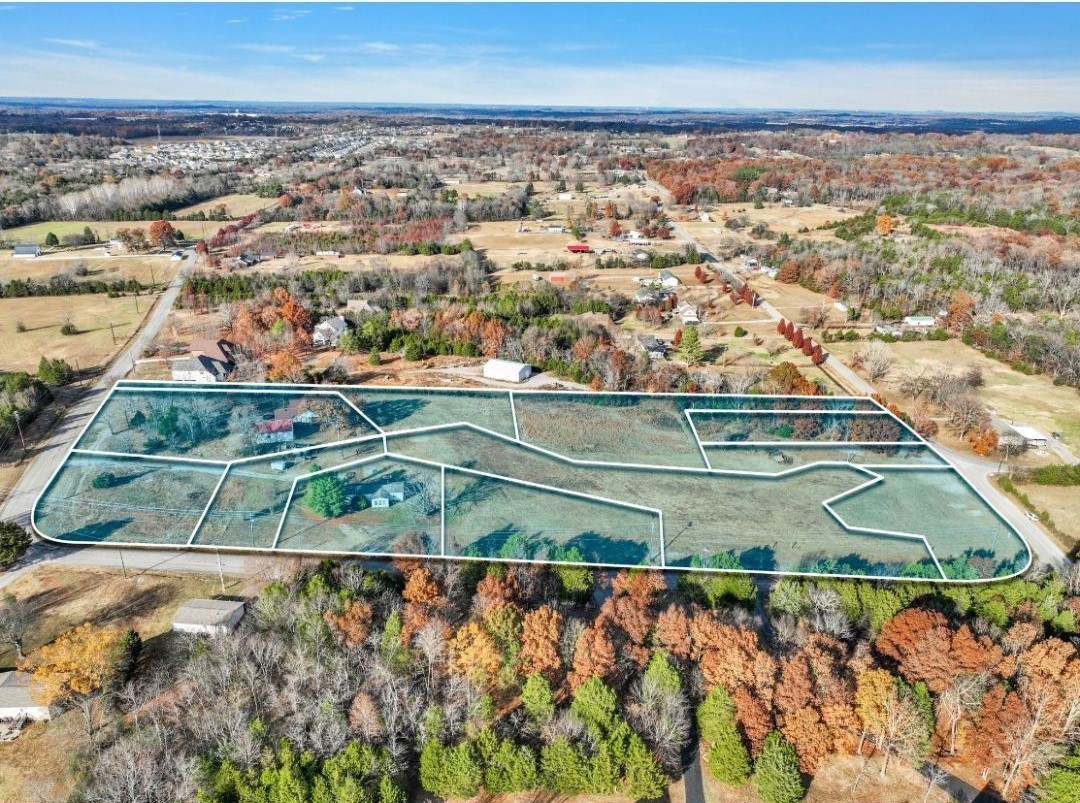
(104, 229)
(236, 206)
(505, 244)
(1013, 396)
(42, 317)
(43, 763)
(781, 219)
(348, 262)
(145, 269)
(1063, 505)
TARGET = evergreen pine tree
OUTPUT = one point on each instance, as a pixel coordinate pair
(727, 756)
(776, 772)
(690, 350)
(537, 698)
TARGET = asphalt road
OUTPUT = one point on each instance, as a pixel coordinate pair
(51, 453)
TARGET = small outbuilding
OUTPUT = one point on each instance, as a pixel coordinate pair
(25, 251)
(918, 322)
(507, 371)
(1031, 436)
(16, 702)
(208, 617)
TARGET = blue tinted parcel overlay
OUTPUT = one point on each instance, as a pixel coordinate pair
(798, 485)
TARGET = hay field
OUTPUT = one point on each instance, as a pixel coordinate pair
(146, 269)
(236, 205)
(42, 317)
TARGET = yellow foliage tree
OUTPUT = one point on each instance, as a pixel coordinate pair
(474, 654)
(78, 663)
(885, 225)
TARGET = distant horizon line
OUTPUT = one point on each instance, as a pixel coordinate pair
(31, 101)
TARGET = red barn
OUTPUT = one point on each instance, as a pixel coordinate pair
(579, 248)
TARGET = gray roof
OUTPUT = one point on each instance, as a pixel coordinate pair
(207, 612)
(26, 248)
(337, 324)
(389, 490)
(200, 362)
(15, 691)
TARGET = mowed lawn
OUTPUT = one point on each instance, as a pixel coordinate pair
(145, 269)
(104, 229)
(42, 317)
(236, 206)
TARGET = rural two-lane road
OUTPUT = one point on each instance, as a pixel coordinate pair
(21, 498)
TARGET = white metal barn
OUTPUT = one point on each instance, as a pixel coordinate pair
(16, 702)
(211, 617)
(507, 371)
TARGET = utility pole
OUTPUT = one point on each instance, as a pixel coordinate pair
(112, 332)
(123, 566)
(22, 440)
(221, 573)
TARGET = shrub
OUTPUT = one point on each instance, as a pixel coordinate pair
(740, 332)
(14, 541)
(105, 479)
(68, 328)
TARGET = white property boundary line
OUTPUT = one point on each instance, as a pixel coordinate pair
(246, 387)
(443, 467)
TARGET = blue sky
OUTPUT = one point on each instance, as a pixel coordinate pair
(961, 57)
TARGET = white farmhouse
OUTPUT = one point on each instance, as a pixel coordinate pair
(328, 332)
(198, 368)
(688, 313)
(507, 371)
(388, 494)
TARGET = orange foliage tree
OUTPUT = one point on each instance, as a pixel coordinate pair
(540, 642)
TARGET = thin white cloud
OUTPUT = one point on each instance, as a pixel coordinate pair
(237, 21)
(379, 47)
(805, 84)
(259, 47)
(82, 44)
(344, 8)
(314, 58)
(287, 16)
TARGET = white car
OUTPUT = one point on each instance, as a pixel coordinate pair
(1031, 516)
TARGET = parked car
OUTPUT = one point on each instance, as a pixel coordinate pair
(1032, 516)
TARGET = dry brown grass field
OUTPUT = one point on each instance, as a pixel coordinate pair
(42, 317)
(236, 206)
(104, 229)
(781, 219)
(1015, 397)
(145, 269)
(504, 244)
